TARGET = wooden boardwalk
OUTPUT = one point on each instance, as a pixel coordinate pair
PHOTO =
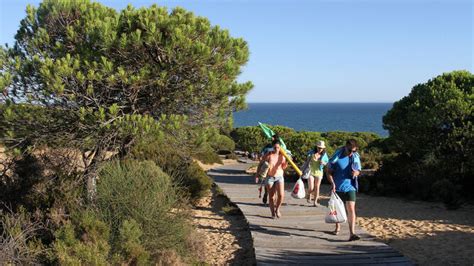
(301, 236)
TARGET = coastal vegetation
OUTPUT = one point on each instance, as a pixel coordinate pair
(427, 155)
(432, 136)
(102, 114)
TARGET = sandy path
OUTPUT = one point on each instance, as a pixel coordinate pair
(227, 239)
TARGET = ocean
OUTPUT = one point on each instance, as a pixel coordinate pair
(321, 117)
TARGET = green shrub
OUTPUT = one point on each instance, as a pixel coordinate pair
(249, 138)
(232, 156)
(371, 158)
(197, 181)
(284, 132)
(206, 154)
(176, 163)
(41, 181)
(222, 143)
(131, 247)
(447, 192)
(336, 139)
(141, 191)
(434, 125)
(83, 240)
(401, 175)
(169, 157)
(20, 239)
(300, 143)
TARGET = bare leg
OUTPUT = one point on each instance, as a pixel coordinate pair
(310, 187)
(265, 196)
(337, 229)
(280, 189)
(271, 193)
(317, 185)
(351, 216)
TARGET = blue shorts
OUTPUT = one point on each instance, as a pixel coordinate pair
(274, 179)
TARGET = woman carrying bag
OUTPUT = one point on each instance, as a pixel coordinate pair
(317, 160)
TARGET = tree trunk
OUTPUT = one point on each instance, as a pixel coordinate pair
(91, 172)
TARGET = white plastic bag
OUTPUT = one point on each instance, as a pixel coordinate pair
(337, 212)
(298, 190)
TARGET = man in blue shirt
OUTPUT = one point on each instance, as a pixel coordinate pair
(343, 169)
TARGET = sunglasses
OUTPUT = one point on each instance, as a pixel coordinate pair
(352, 150)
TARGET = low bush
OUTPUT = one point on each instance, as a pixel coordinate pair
(140, 191)
(131, 249)
(41, 181)
(177, 163)
(444, 190)
(222, 143)
(206, 154)
(197, 181)
(20, 239)
(83, 240)
(249, 139)
(232, 156)
(299, 143)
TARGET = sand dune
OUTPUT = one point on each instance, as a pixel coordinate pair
(425, 232)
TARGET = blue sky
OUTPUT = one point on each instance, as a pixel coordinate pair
(328, 51)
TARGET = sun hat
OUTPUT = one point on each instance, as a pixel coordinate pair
(320, 144)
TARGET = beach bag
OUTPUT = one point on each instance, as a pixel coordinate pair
(298, 190)
(337, 212)
(306, 168)
(262, 169)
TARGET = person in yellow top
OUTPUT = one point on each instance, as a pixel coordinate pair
(317, 162)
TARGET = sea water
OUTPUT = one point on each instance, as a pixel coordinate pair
(321, 117)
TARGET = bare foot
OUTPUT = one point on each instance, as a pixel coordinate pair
(278, 214)
(354, 237)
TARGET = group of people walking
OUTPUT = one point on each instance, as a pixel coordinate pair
(342, 170)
